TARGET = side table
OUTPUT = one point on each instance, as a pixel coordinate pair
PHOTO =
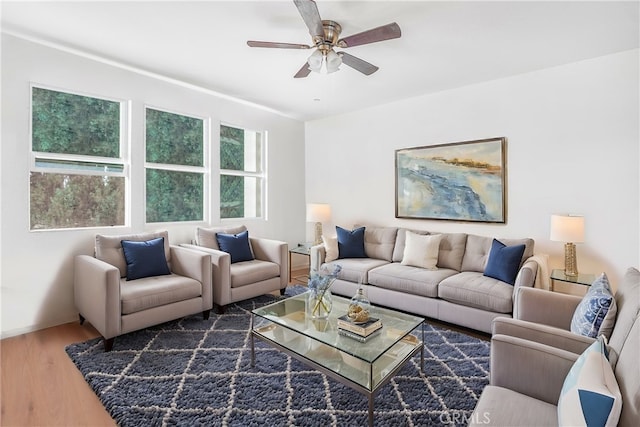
(584, 279)
(301, 249)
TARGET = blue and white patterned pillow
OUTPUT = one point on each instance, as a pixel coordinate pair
(596, 312)
(590, 394)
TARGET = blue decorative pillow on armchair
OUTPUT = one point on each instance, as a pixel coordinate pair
(596, 312)
(145, 259)
(351, 243)
(236, 245)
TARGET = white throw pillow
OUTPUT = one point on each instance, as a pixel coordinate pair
(421, 251)
(590, 394)
(330, 248)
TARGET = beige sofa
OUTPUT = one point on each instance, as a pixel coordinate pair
(232, 282)
(116, 306)
(456, 292)
(524, 397)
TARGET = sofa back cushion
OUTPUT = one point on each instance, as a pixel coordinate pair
(478, 248)
(452, 247)
(109, 248)
(379, 242)
(207, 236)
(628, 376)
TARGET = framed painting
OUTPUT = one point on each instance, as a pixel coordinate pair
(461, 181)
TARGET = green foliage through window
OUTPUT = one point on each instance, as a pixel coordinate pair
(174, 196)
(174, 139)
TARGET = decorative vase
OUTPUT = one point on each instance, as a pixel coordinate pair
(359, 307)
(319, 303)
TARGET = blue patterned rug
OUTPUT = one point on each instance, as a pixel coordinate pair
(197, 372)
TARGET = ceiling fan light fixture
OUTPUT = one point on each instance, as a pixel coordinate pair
(315, 61)
(333, 61)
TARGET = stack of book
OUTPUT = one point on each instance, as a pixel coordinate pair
(359, 331)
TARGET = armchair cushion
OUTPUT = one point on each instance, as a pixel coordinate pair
(109, 248)
(156, 291)
(236, 245)
(596, 313)
(145, 259)
(590, 393)
(207, 236)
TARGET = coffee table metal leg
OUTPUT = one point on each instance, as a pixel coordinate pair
(370, 409)
(253, 354)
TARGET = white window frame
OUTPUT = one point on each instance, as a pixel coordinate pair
(261, 174)
(122, 160)
(205, 169)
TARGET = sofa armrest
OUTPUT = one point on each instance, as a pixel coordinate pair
(527, 275)
(542, 334)
(544, 307)
(220, 272)
(196, 265)
(317, 255)
(518, 364)
(96, 290)
(274, 251)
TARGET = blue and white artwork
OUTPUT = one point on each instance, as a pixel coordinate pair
(461, 181)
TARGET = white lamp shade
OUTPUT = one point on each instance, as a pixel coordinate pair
(567, 228)
(318, 212)
(333, 62)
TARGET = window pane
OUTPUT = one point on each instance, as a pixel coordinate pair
(240, 197)
(174, 196)
(70, 201)
(174, 139)
(240, 149)
(74, 124)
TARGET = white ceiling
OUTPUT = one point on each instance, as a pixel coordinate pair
(444, 45)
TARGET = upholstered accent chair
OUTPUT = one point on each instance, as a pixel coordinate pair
(109, 295)
(530, 359)
(264, 270)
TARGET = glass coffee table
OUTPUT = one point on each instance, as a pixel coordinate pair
(363, 366)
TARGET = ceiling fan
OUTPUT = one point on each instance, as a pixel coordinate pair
(325, 36)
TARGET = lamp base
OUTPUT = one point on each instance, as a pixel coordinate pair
(570, 262)
(318, 236)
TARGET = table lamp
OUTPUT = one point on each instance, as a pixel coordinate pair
(568, 229)
(318, 213)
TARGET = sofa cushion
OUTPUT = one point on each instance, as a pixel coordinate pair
(596, 312)
(452, 247)
(145, 259)
(472, 289)
(355, 269)
(379, 242)
(504, 261)
(236, 245)
(628, 306)
(421, 251)
(248, 272)
(590, 394)
(207, 236)
(478, 248)
(401, 238)
(409, 279)
(351, 243)
(109, 248)
(156, 291)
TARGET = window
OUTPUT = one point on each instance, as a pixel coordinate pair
(174, 167)
(77, 175)
(241, 173)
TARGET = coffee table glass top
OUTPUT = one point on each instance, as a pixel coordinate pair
(367, 364)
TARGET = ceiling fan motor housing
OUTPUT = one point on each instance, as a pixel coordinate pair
(332, 32)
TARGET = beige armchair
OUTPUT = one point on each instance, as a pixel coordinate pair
(116, 306)
(267, 272)
(530, 360)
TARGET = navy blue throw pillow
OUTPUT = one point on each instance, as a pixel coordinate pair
(236, 245)
(145, 259)
(351, 243)
(504, 262)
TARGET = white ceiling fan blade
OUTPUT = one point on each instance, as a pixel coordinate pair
(309, 12)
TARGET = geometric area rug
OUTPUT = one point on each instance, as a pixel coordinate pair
(197, 372)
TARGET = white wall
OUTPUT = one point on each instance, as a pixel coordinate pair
(36, 270)
(572, 148)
